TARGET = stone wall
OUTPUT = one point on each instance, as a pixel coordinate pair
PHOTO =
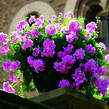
(9, 8)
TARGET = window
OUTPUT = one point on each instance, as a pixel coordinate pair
(32, 14)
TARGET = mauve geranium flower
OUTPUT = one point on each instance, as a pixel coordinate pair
(102, 45)
(64, 83)
(107, 58)
(90, 27)
(21, 24)
(90, 48)
(50, 30)
(79, 53)
(12, 78)
(7, 87)
(27, 43)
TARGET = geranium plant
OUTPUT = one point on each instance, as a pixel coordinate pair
(53, 54)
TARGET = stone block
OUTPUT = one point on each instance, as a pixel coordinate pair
(11, 101)
(66, 98)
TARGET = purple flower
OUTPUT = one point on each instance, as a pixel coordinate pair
(7, 87)
(69, 60)
(68, 49)
(90, 27)
(60, 14)
(71, 37)
(41, 17)
(49, 48)
(4, 50)
(27, 43)
(79, 77)
(6, 65)
(14, 66)
(60, 66)
(71, 14)
(3, 38)
(30, 60)
(74, 25)
(101, 71)
(61, 54)
(37, 50)
(34, 33)
(50, 30)
(12, 78)
(65, 65)
(81, 64)
(86, 37)
(49, 21)
(39, 23)
(102, 45)
(21, 24)
(90, 65)
(53, 17)
(15, 37)
(32, 18)
(79, 53)
(64, 83)
(90, 48)
(107, 58)
(101, 84)
(26, 35)
(65, 15)
(64, 31)
(38, 64)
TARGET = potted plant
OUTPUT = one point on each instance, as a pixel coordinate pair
(52, 54)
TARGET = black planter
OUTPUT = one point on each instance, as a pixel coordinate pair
(45, 83)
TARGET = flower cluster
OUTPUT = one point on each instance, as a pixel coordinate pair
(49, 48)
(34, 33)
(49, 51)
(65, 65)
(64, 83)
(72, 36)
(5, 48)
(79, 77)
(38, 64)
(7, 87)
(90, 65)
(10, 65)
(39, 22)
(15, 37)
(67, 51)
(12, 78)
(102, 45)
(90, 28)
(27, 43)
(107, 58)
(101, 71)
(36, 52)
(50, 30)
(102, 84)
(21, 25)
(79, 53)
(90, 48)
